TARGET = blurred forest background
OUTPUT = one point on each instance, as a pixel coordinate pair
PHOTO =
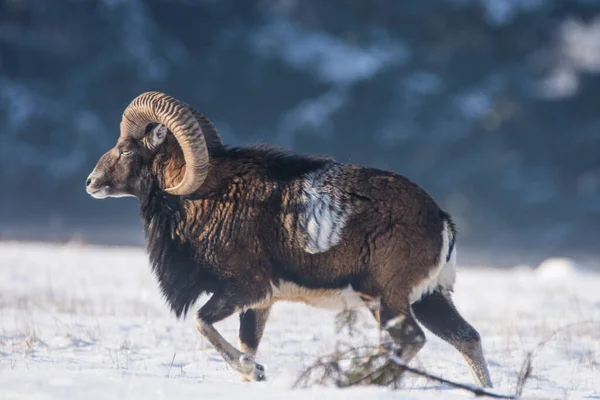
(493, 106)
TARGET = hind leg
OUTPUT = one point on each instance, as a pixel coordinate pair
(397, 319)
(438, 314)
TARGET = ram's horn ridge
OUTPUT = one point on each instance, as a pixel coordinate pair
(158, 107)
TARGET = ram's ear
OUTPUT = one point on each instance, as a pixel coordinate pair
(157, 136)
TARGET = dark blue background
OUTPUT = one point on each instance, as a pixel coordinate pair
(492, 106)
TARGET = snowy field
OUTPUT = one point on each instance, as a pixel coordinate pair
(88, 322)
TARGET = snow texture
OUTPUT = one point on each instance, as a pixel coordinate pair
(88, 322)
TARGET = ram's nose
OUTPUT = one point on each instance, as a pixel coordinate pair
(91, 184)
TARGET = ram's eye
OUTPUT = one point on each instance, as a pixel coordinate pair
(126, 152)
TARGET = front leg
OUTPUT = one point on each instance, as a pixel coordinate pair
(219, 307)
(252, 326)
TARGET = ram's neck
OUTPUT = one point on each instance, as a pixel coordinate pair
(181, 276)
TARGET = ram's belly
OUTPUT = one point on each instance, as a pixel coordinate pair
(335, 299)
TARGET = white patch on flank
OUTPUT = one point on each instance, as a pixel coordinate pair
(333, 299)
(444, 274)
(326, 212)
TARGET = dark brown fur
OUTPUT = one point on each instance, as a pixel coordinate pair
(242, 234)
(236, 230)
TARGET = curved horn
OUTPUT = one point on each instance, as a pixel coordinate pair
(213, 139)
(160, 108)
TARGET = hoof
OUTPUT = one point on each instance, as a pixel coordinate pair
(251, 371)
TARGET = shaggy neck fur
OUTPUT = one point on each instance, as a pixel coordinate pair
(173, 260)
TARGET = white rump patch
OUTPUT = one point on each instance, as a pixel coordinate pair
(444, 274)
(326, 210)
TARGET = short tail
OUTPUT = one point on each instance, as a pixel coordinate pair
(451, 233)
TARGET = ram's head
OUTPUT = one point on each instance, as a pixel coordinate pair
(144, 128)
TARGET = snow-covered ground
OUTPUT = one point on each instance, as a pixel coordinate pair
(88, 322)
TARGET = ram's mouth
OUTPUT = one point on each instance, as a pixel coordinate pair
(100, 193)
